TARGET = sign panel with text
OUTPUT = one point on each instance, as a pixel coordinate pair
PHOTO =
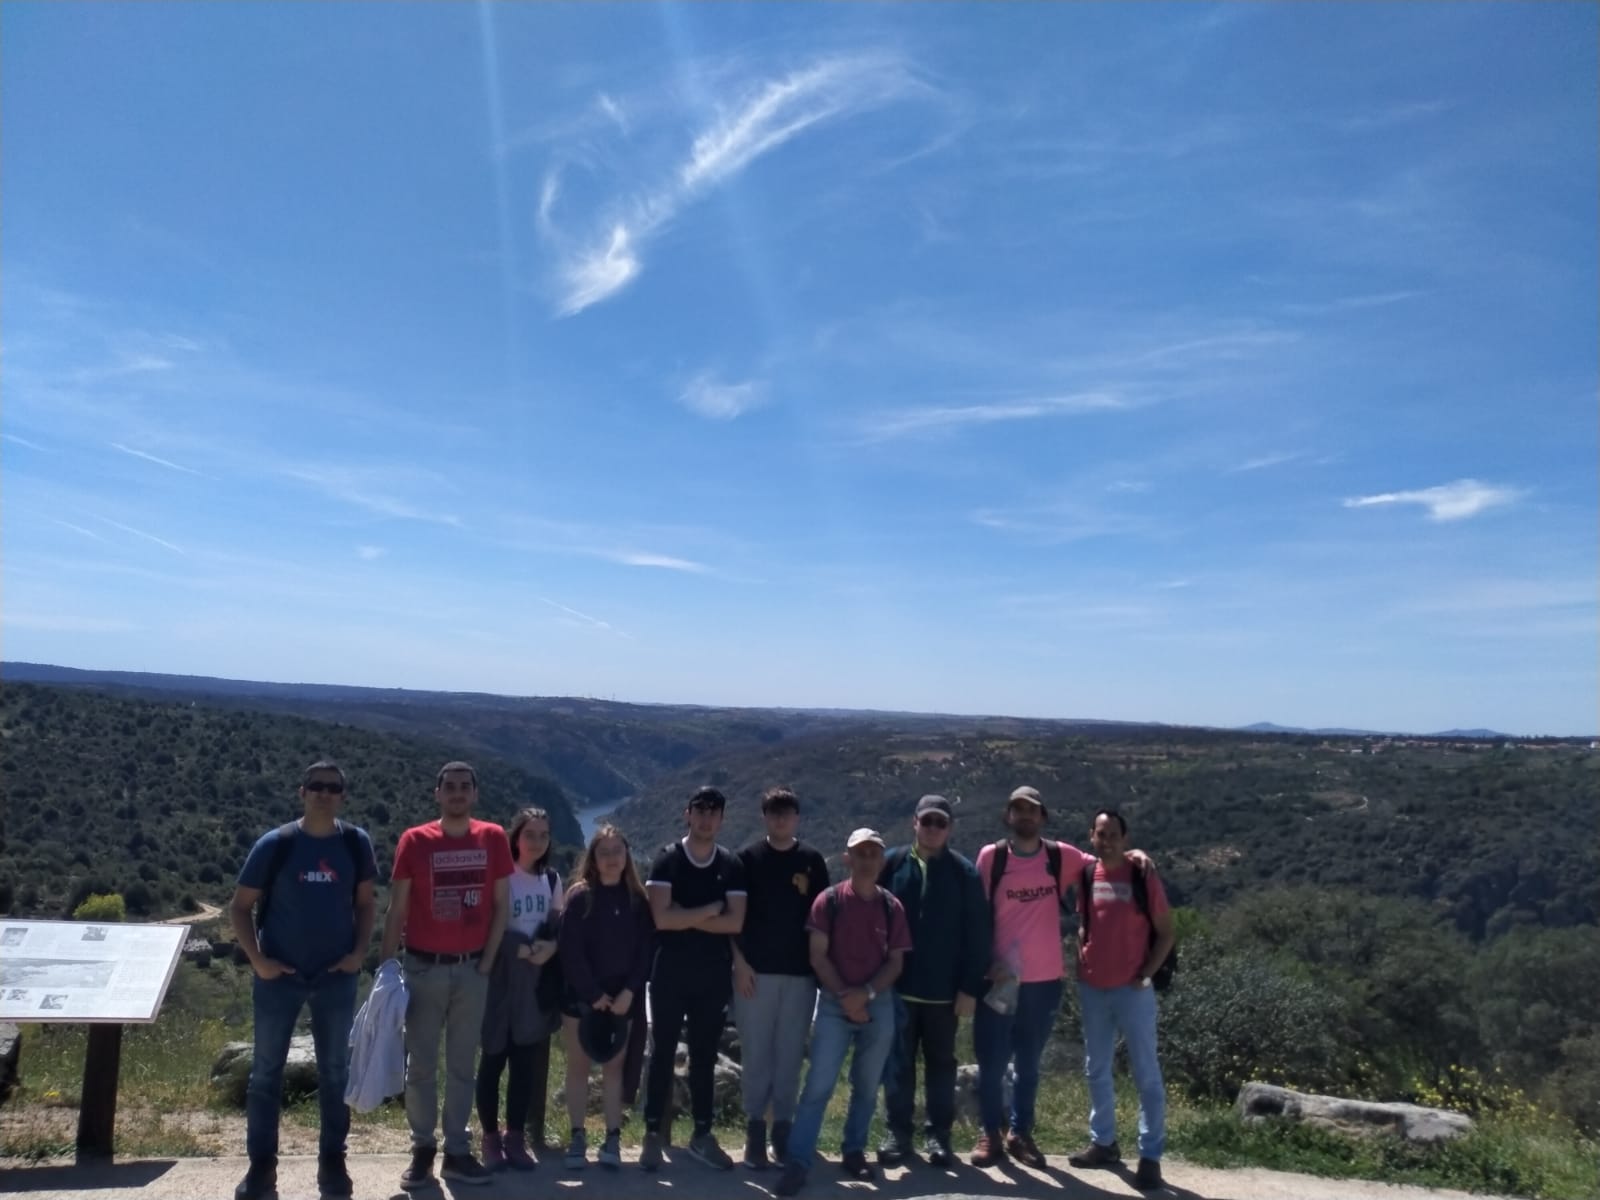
(84, 971)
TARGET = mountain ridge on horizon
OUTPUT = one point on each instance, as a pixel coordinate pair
(32, 672)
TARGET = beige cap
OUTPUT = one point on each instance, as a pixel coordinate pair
(864, 835)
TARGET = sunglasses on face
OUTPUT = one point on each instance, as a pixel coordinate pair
(931, 821)
(323, 785)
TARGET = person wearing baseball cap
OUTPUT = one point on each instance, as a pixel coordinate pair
(951, 929)
(859, 941)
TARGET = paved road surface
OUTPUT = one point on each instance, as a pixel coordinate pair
(377, 1175)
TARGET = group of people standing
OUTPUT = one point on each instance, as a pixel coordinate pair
(881, 967)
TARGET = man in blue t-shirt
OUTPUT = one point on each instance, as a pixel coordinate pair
(303, 912)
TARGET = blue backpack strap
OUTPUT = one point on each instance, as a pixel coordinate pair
(282, 848)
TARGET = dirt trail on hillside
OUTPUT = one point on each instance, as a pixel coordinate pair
(208, 912)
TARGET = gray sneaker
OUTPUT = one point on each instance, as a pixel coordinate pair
(577, 1152)
(704, 1147)
(611, 1151)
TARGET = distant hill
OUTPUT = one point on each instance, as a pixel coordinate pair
(161, 800)
(1461, 734)
(1224, 813)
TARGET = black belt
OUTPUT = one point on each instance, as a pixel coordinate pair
(428, 956)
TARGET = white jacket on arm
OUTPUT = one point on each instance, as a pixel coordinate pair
(377, 1042)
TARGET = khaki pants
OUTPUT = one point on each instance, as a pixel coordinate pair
(443, 1000)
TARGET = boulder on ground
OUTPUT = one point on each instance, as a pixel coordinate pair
(1413, 1122)
(10, 1058)
(230, 1074)
(198, 951)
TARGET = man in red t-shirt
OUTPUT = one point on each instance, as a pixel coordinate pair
(449, 897)
(1123, 948)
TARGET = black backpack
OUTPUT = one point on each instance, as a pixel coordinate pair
(1052, 858)
(284, 846)
(1162, 979)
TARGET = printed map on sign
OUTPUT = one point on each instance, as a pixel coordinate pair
(459, 880)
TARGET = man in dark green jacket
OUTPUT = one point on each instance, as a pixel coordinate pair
(951, 931)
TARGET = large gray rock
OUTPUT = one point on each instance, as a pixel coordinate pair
(198, 951)
(230, 1074)
(1413, 1122)
(10, 1058)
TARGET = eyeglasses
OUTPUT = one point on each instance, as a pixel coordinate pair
(933, 821)
(324, 785)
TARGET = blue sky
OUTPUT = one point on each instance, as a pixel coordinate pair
(1194, 363)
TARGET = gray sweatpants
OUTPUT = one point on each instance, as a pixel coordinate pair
(772, 1039)
(442, 1000)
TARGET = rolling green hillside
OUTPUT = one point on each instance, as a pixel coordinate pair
(162, 800)
(1496, 835)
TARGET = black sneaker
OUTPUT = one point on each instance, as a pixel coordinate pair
(420, 1173)
(463, 1168)
(936, 1148)
(755, 1146)
(780, 1141)
(333, 1178)
(855, 1165)
(895, 1148)
(704, 1147)
(1148, 1177)
(791, 1181)
(260, 1182)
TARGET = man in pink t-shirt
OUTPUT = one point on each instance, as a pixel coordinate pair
(1123, 946)
(1026, 879)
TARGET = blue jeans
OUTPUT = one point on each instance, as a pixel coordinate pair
(277, 1004)
(832, 1037)
(1018, 1035)
(1132, 1010)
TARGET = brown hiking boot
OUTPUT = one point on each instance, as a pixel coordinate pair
(1148, 1177)
(988, 1151)
(1097, 1156)
(1020, 1146)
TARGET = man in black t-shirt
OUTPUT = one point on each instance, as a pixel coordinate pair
(697, 896)
(774, 990)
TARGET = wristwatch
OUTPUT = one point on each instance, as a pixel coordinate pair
(1144, 981)
(872, 993)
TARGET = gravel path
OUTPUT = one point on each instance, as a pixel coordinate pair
(377, 1175)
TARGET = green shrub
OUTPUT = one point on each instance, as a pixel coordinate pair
(102, 907)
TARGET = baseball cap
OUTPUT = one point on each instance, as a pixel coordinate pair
(708, 797)
(864, 835)
(602, 1034)
(1027, 795)
(934, 803)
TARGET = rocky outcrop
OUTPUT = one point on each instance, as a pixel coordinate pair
(198, 951)
(1413, 1122)
(230, 1074)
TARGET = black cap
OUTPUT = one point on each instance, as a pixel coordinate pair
(934, 803)
(708, 797)
(602, 1034)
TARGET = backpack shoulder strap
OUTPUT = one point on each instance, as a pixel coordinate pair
(282, 847)
(832, 903)
(352, 847)
(1052, 859)
(1141, 892)
(1086, 896)
(997, 867)
(887, 897)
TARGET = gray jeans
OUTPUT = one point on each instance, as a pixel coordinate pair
(772, 1039)
(442, 999)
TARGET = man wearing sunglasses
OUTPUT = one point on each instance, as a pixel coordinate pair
(951, 931)
(303, 913)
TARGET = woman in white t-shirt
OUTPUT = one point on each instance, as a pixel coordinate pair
(535, 898)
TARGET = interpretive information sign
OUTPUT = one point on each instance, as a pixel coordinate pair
(82, 971)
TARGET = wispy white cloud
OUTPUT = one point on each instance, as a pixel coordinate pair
(1275, 459)
(764, 118)
(160, 462)
(370, 553)
(1447, 502)
(1390, 116)
(351, 487)
(88, 533)
(1341, 304)
(708, 396)
(140, 533)
(585, 618)
(22, 441)
(666, 562)
(934, 419)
